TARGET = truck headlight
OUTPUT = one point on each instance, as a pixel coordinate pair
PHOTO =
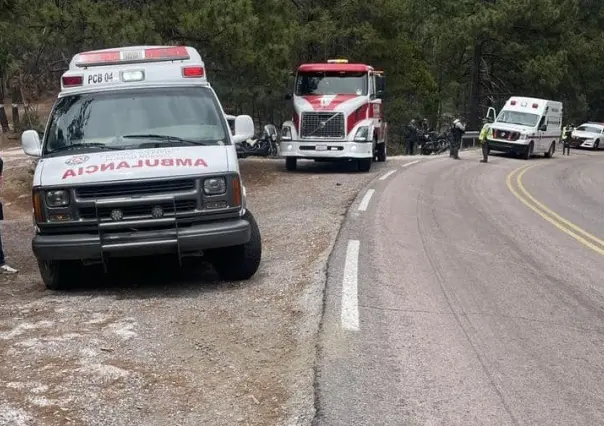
(57, 198)
(214, 186)
(362, 134)
(286, 133)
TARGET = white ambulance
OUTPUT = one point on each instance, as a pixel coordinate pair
(137, 159)
(526, 126)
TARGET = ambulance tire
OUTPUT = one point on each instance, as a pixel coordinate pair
(291, 163)
(240, 263)
(381, 152)
(60, 274)
(551, 150)
(529, 151)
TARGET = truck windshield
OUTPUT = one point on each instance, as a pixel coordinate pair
(140, 118)
(517, 117)
(331, 83)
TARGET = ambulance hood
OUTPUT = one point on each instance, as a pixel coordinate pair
(329, 103)
(111, 166)
(508, 127)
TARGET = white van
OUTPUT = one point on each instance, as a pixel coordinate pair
(526, 126)
(137, 159)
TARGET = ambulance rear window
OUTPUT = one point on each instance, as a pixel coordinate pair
(136, 118)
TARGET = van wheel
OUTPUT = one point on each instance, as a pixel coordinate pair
(381, 152)
(529, 151)
(550, 152)
(240, 262)
(60, 275)
(291, 163)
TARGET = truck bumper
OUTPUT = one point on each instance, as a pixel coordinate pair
(326, 149)
(142, 242)
(500, 146)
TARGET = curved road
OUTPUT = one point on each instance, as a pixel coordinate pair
(459, 293)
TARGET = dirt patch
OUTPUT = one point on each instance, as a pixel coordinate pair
(152, 344)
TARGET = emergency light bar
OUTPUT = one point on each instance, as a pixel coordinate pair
(337, 61)
(115, 57)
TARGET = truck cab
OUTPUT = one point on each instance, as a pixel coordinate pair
(338, 115)
(137, 159)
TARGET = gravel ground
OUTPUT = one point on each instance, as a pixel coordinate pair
(154, 345)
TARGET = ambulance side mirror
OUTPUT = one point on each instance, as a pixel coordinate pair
(244, 128)
(30, 143)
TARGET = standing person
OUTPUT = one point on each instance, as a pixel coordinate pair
(4, 268)
(457, 131)
(567, 133)
(483, 139)
(411, 137)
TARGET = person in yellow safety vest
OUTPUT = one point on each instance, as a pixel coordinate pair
(567, 132)
(483, 139)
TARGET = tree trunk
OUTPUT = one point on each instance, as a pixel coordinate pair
(475, 85)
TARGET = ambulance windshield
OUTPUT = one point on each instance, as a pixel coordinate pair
(331, 83)
(519, 118)
(134, 119)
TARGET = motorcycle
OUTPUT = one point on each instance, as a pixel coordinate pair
(434, 142)
(264, 145)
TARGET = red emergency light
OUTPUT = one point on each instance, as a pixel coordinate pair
(535, 105)
(193, 72)
(130, 56)
(72, 80)
(513, 102)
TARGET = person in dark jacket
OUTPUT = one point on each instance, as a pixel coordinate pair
(4, 268)
(411, 137)
(457, 131)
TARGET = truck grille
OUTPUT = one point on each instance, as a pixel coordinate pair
(139, 211)
(312, 125)
(135, 188)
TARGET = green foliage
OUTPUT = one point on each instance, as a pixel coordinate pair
(440, 57)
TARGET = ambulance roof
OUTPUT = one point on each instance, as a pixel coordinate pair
(133, 67)
(528, 104)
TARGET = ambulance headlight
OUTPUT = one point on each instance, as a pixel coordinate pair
(362, 134)
(214, 186)
(57, 198)
(133, 76)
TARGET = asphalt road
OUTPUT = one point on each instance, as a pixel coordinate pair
(462, 293)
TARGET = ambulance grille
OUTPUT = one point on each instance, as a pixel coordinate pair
(135, 188)
(313, 127)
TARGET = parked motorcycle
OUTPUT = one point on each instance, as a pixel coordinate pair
(434, 142)
(264, 145)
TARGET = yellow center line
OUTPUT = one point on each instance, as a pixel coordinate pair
(546, 213)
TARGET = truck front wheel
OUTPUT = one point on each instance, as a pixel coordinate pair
(381, 152)
(60, 275)
(291, 163)
(240, 262)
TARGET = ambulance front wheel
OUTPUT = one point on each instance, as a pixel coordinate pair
(240, 263)
(60, 274)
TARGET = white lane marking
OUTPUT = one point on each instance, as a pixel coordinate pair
(350, 302)
(365, 201)
(408, 164)
(387, 174)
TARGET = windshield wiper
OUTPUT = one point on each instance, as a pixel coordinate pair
(85, 145)
(166, 138)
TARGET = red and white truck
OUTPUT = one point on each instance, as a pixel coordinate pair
(338, 115)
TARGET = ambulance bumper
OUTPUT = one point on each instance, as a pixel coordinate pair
(326, 149)
(142, 243)
(511, 147)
